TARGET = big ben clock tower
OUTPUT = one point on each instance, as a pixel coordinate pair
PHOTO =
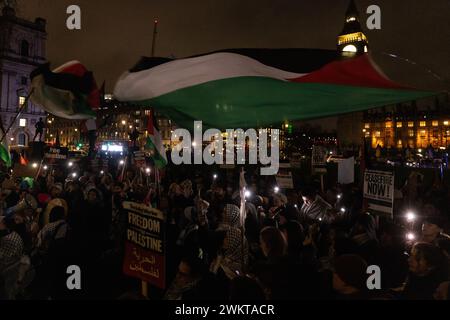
(352, 41)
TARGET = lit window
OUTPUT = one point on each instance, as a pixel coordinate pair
(377, 134)
(367, 126)
(435, 123)
(399, 124)
(21, 101)
(365, 49)
(388, 124)
(422, 133)
(446, 123)
(410, 124)
(22, 122)
(350, 48)
(411, 133)
(423, 123)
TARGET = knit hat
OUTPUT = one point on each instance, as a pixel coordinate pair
(351, 269)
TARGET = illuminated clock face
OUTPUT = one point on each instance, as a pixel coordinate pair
(349, 48)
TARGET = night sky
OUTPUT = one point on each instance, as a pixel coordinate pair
(116, 33)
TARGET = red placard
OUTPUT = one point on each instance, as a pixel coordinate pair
(144, 246)
(145, 265)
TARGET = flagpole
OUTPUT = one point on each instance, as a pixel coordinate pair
(155, 32)
(22, 107)
(242, 185)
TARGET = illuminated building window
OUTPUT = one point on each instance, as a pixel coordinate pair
(422, 133)
(350, 48)
(446, 123)
(377, 134)
(435, 123)
(367, 126)
(399, 124)
(388, 124)
(23, 122)
(21, 101)
(410, 124)
(423, 123)
(411, 133)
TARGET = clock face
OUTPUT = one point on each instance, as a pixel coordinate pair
(349, 48)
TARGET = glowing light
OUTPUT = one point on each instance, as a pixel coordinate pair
(215, 176)
(34, 165)
(247, 194)
(410, 236)
(194, 144)
(70, 164)
(74, 175)
(350, 48)
(147, 170)
(45, 167)
(276, 189)
(124, 122)
(339, 196)
(12, 139)
(102, 172)
(121, 162)
(410, 216)
(343, 210)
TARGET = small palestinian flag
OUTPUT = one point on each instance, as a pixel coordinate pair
(154, 143)
(5, 156)
(69, 91)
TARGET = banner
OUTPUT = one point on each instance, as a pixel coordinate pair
(145, 244)
(319, 159)
(379, 191)
(346, 171)
(56, 153)
(284, 177)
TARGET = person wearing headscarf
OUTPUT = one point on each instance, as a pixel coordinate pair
(232, 257)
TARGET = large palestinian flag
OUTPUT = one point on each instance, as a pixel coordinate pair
(69, 91)
(233, 89)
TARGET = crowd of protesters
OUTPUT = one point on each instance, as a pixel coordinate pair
(293, 244)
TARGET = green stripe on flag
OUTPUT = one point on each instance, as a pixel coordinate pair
(245, 102)
(159, 159)
(5, 156)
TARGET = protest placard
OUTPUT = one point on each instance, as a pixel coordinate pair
(145, 244)
(284, 177)
(379, 191)
(319, 159)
